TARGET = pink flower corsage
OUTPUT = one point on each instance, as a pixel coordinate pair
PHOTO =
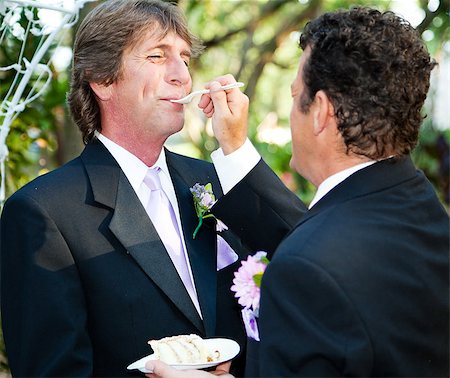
(246, 285)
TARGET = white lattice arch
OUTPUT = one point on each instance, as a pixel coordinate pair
(15, 100)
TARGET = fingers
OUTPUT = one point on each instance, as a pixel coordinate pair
(229, 112)
(206, 105)
(234, 94)
(221, 373)
(225, 366)
(162, 370)
(222, 369)
(218, 97)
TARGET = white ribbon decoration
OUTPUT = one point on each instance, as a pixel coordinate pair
(10, 109)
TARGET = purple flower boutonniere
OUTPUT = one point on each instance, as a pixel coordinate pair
(204, 199)
(246, 285)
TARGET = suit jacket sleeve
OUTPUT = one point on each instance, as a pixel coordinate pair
(302, 334)
(41, 296)
(260, 209)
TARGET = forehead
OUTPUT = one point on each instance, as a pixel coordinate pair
(155, 36)
(303, 58)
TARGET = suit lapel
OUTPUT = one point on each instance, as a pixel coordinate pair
(202, 250)
(132, 227)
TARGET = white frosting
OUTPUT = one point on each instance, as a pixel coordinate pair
(183, 349)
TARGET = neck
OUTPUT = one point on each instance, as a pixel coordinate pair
(144, 148)
(339, 164)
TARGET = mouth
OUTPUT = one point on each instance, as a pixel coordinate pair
(175, 105)
(169, 98)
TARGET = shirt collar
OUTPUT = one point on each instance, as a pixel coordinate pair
(133, 168)
(334, 180)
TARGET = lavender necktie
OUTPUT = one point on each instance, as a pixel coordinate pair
(163, 218)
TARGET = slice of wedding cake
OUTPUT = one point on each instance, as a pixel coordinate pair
(183, 349)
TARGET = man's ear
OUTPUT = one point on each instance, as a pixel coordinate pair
(103, 92)
(323, 112)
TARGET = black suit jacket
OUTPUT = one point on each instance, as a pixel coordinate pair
(360, 287)
(86, 281)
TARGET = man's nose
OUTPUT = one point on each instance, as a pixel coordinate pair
(178, 72)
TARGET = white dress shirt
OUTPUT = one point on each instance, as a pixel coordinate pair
(335, 180)
(234, 167)
(231, 169)
(135, 171)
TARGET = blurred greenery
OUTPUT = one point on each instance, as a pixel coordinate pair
(256, 41)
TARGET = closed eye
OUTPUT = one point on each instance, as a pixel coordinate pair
(156, 58)
(186, 56)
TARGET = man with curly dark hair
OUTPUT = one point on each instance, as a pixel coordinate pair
(360, 286)
(375, 71)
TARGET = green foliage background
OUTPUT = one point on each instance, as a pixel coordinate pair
(256, 41)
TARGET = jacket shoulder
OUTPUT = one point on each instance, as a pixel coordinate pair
(53, 183)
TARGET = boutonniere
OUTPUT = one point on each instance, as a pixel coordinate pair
(247, 286)
(204, 199)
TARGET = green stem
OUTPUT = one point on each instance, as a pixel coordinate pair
(200, 221)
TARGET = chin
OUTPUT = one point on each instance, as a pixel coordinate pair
(176, 124)
(179, 127)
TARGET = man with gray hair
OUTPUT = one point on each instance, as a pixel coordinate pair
(98, 256)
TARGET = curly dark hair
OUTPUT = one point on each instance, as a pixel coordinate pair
(106, 32)
(375, 69)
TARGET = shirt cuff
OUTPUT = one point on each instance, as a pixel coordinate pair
(234, 167)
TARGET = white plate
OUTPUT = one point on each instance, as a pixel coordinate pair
(228, 349)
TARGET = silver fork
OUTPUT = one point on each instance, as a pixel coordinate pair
(187, 99)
